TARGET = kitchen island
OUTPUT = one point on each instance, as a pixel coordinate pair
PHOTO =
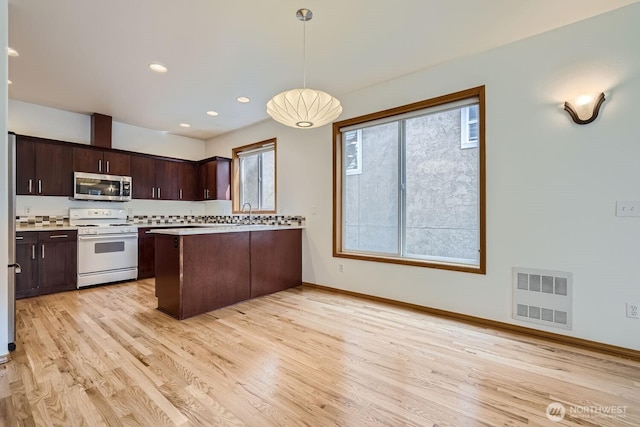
(205, 268)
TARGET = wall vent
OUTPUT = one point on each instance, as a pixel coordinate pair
(543, 297)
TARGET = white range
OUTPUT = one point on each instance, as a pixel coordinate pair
(107, 246)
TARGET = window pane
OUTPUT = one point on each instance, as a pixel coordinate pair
(473, 113)
(249, 180)
(371, 195)
(268, 196)
(442, 218)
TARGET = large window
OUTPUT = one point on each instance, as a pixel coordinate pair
(254, 177)
(409, 184)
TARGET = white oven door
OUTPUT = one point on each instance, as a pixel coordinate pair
(104, 253)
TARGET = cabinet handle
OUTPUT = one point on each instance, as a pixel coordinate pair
(159, 197)
(208, 193)
(107, 166)
(181, 194)
(148, 232)
(39, 186)
(153, 192)
(33, 251)
(100, 165)
(59, 236)
(30, 186)
(19, 238)
(43, 251)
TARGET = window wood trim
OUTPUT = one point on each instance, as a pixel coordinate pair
(235, 176)
(478, 92)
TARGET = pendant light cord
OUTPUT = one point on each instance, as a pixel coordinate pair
(304, 54)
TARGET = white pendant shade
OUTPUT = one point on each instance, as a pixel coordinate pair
(304, 108)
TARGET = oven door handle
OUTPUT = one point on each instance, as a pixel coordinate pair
(109, 237)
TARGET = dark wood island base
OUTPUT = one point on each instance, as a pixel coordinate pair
(198, 273)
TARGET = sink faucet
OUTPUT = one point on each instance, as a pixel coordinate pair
(250, 210)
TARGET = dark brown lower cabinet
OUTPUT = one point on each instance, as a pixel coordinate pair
(199, 273)
(146, 253)
(26, 256)
(276, 261)
(48, 260)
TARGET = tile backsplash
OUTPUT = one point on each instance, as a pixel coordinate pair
(63, 220)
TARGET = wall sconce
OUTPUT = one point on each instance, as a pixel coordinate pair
(585, 108)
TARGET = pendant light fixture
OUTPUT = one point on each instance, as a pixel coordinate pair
(304, 108)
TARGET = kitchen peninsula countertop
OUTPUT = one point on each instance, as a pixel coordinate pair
(224, 228)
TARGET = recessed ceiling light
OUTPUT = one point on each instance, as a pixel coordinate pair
(185, 125)
(158, 68)
(243, 99)
(12, 52)
(212, 113)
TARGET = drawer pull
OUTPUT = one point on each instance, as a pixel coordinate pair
(19, 238)
(59, 236)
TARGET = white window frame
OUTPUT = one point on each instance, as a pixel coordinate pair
(358, 146)
(465, 126)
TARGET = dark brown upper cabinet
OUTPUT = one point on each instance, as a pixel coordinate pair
(156, 179)
(187, 181)
(43, 168)
(101, 161)
(143, 177)
(214, 179)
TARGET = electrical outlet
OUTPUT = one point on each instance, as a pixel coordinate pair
(27, 210)
(632, 311)
(341, 268)
(627, 208)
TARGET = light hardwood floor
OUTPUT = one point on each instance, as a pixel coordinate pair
(106, 356)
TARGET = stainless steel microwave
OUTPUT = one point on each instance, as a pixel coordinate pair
(95, 186)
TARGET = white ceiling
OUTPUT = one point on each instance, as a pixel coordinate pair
(92, 56)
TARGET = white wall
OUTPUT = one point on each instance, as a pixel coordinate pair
(4, 192)
(551, 184)
(45, 122)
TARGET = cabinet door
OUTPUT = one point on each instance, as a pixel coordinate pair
(25, 167)
(54, 170)
(167, 180)
(208, 179)
(146, 254)
(201, 192)
(117, 163)
(26, 256)
(57, 267)
(87, 160)
(215, 180)
(187, 181)
(222, 184)
(276, 261)
(143, 177)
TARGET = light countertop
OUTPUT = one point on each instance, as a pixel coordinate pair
(223, 228)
